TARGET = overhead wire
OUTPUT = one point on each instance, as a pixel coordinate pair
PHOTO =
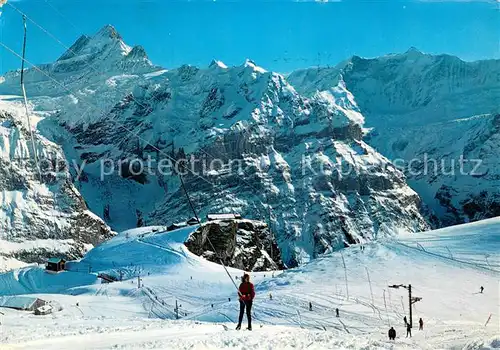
(25, 102)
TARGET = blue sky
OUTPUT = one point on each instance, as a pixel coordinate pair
(278, 35)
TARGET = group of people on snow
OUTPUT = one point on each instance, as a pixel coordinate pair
(246, 293)
(392, 331)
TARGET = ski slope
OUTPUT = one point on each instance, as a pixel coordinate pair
(445, 267)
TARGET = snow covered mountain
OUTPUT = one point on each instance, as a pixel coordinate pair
(39, 217)
(298, 162)
(428, 112)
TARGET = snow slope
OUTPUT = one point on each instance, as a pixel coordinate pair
(121, 315)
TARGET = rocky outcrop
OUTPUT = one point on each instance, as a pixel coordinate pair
(244, 244)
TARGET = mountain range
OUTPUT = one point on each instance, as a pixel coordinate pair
(314, 153)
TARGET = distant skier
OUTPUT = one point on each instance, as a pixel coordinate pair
(408, 330)
(310, 306)
(421, 324)
(337, 312)
(270, 296)
(405, 321)
(392, 334)
(481, 289)
(246, 293)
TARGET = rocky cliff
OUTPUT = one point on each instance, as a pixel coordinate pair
(244, 244)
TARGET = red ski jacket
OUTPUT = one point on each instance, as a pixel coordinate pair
(247, 292)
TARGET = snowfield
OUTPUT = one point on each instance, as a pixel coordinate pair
(445, 267)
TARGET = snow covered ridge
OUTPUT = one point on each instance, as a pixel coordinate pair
(38, 218)
(116, 111)
(429, 110)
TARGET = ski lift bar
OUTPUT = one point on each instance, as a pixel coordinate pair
(415, 299)
(411, 300)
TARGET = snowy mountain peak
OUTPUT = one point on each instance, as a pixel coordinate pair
(87, 62)
(251, 64)
(107, 42)
(108, 31)
(108, 36)
(413, 51)
(217, 64)
(410, 55)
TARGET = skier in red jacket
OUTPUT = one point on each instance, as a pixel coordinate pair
(246, 293)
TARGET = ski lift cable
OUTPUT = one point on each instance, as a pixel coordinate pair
(62, 15)
(135, 134)
(91, 66)
(36, 24)
(25, 102)
(208, 238)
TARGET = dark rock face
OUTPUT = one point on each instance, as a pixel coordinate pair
(244, 244)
